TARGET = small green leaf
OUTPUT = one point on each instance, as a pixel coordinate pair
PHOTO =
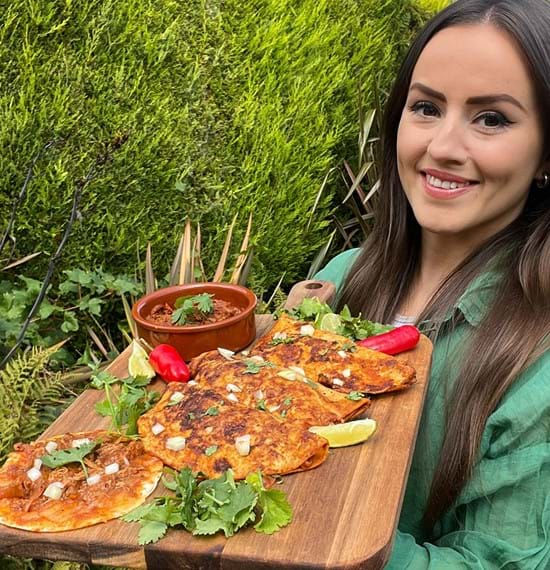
(355, 396)
(210, 450)
(212, 411)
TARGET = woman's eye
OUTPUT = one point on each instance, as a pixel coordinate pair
(424, 109)
(493, 120)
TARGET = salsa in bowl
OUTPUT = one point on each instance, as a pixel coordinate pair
(197, 317)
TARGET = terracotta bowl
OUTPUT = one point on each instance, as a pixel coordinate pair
(233, 333)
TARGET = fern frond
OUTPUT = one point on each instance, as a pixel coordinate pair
(28, 394)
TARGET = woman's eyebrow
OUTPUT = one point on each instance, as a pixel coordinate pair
(478, 100)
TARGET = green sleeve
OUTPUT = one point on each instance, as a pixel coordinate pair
(337, 268)
(502, 517)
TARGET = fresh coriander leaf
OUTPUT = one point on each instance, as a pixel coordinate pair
(276, 511)
(287, 401)
(283, 413)
(104, 408)
(138, 513)
(212, 411)
(242, 498)
(211, 450)
(355, 396)
(277, 341)
(349, 347)
(261, 405)
(62, 457)
(204, 302)
(212, 525)
(191, 416)
(179, 317)
(102, 379)
(151, 531)
(310, 308)
(254, 366)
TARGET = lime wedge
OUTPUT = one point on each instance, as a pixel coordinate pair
(350, 433)
(138, 363)
(330, 322)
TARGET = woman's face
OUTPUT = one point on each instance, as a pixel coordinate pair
(470, 140)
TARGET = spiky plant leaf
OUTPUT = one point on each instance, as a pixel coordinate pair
(29, 397)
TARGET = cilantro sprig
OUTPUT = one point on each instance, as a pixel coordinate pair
(62, 457)
(355, 328)
(211, 506)
(189, 307)
(128, 404)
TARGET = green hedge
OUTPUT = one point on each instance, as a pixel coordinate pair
(231, 106)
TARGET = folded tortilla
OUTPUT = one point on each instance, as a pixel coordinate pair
(286, 393)
(333, 360)
(210, 426)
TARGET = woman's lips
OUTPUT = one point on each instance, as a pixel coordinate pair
(463, 187)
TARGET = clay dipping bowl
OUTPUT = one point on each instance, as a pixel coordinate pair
(233, 333)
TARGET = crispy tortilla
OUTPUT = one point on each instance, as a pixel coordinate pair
(210, 425)
(333, 360)
(283, 392)
(24, 506)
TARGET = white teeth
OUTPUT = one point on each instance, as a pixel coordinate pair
(445, 184)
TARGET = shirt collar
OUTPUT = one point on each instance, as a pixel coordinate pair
(475, 301)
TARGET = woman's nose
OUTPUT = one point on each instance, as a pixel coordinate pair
(448, 144)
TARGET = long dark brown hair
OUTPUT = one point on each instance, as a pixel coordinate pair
(515, 330)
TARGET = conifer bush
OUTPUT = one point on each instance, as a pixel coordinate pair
(230, 107)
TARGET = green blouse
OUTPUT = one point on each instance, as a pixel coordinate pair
(502, 517)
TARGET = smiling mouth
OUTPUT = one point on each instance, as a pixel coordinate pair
(448, 184)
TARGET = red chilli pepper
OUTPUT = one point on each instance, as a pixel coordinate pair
(168, 364)
(393, 342)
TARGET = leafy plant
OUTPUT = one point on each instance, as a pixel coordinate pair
(128, 404)
(31, 397)
(82, 305)
(211, 506)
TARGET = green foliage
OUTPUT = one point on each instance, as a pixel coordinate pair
(31, 397)
(75, 305)
(433, 6)
(230, 107)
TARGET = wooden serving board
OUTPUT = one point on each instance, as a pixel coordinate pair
(345, 511)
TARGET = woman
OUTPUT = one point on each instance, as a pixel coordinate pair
(462, 248)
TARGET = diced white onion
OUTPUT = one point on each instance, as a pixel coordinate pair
(157, 428)
(176, 397)
(307, 330)
(112, 468)
(37, 463)
(245, 352)
(226, 353)
(342, 354)
(346, 373)
(337, 382)
(126, 462)
(242, 443)
(287, 374)
(257, 358)
(232, 398)
(232, 388)
(279, 336)
(208, 429)
(51, 446)
(259, 395)
(54, 490)
(192, 383)
(33, 474)
(80, 442)
(298, 370)
(176, 443)
(93, 479)
(273, 408)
